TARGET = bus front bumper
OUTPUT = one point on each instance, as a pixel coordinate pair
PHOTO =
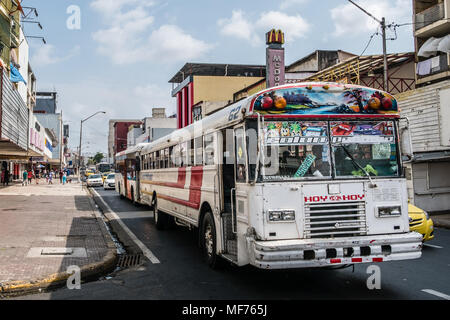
(283, 254)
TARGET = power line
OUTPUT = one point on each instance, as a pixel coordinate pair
(368, 43)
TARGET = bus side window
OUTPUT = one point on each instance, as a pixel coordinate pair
(209, 149)
(170, 157)
(176, 156)
(166, 158)
(157, 160)
(240, 154)
(198, 144)
(183, 149)
(150, 157)
(191, 153)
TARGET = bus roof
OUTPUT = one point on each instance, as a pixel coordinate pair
(301, 100)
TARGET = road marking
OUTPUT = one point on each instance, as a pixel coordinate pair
(433, 246)
(436, 293)
(146, 251)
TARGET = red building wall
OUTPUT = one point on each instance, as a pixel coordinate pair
(120, 135)
(185, 101)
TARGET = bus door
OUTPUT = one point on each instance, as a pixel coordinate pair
(129, 177)
(238, 194)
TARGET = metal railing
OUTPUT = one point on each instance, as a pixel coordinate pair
(429, 16)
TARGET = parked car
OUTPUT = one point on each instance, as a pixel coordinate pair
(420, 221)
(94, 180)
(110, 182)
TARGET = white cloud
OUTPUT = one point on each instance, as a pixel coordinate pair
(117, 100)
(293, 26)
(128, 37)
(349, 20)
(237, 26)
(47, 55)
(170, 43)
(291, 3)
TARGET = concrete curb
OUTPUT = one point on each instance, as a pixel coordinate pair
(441, 223)
(55, 280)
(128, 244)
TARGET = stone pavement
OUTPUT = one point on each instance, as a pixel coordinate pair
(46, 228)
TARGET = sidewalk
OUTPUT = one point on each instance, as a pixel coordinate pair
(46, 228)
(441, 220)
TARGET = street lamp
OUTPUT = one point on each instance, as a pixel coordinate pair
(81, 134)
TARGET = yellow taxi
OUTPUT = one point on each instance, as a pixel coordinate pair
(104, 175)
(420, 221)
(89, 172)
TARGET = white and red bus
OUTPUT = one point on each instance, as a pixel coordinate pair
(303, 175)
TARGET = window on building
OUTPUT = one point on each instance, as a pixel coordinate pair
(196, 113)
(438, 175)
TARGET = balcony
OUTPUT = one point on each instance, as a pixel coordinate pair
(433, 21)
(433, 69)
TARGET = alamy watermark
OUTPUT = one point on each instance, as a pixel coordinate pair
(374, 280)
(73, 22)
(74, 281)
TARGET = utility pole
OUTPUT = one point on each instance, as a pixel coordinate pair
(382, 23)
(81, 134)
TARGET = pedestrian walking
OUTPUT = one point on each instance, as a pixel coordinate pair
(60, 176)
(50, 177)
(6, 178)
(25, 178)
(64, 179)
(30, 176)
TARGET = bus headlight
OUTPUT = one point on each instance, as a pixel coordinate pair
(281, 215)
(389, 211)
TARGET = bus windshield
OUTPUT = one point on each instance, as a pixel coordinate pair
(296, 150)
(361, 148)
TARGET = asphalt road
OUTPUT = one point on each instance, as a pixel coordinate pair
(181, 273)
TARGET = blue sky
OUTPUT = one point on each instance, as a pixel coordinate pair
(121, 58)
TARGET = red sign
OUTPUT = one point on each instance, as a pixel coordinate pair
(350, 197)
(274, 67)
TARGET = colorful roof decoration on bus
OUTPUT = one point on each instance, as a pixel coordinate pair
(325, 99)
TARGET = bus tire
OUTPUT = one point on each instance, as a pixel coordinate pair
(133, 199)
(120, 193)
(158, 216)
(208, 241)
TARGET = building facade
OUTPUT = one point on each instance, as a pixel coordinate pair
(112, 145)
(120, 134)
(426, 109)
(202, 88)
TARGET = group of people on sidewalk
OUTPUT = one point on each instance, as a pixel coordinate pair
(29, 175)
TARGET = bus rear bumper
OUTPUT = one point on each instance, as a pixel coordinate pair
(283, 254)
